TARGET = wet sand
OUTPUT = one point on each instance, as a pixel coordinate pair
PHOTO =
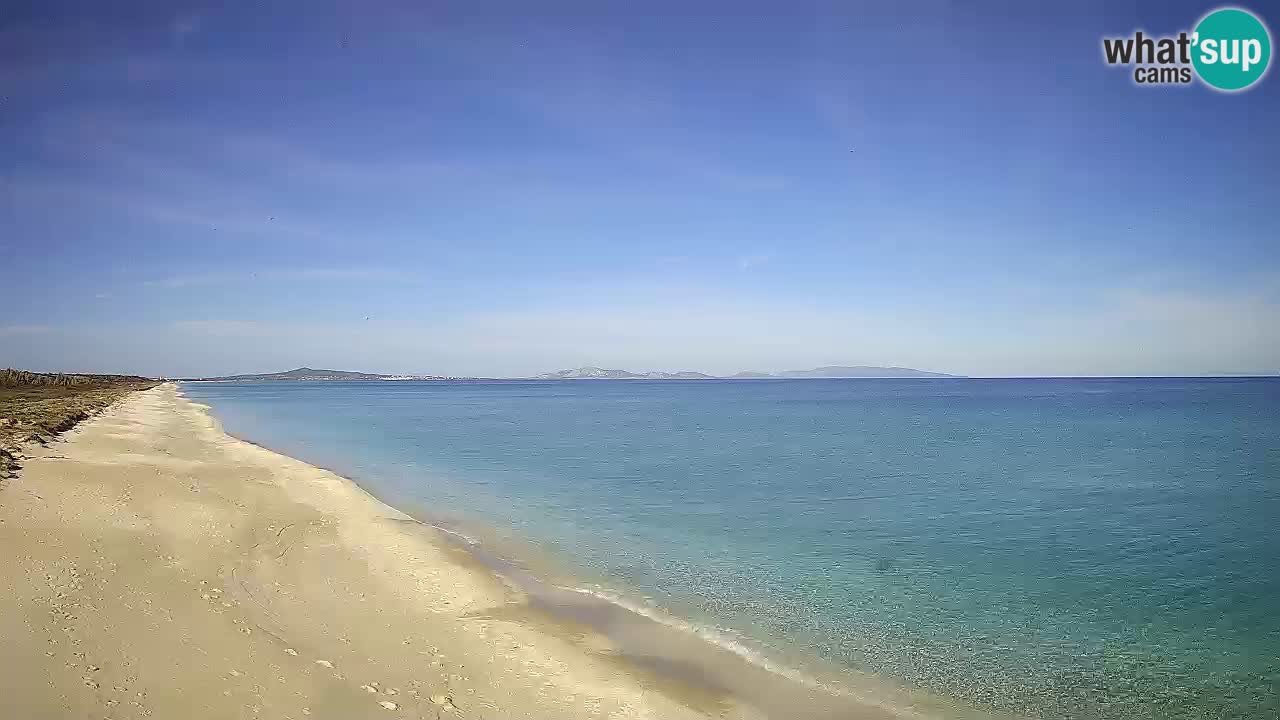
(158, 567)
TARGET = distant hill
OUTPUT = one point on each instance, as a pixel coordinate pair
(582, 373)
(863, 371)
(831, 371)
(685, 375)
(305, 373)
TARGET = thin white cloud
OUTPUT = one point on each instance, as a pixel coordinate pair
(215, 216)
(226, 328)
(274, 275)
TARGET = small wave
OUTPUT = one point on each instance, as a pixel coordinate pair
(718, 636)
(465, 538)
(729, 640)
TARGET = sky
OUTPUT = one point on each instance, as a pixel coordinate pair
(501, 189)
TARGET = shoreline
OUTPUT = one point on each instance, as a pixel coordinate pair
(159, 564)
(697, 662)
(161, 568)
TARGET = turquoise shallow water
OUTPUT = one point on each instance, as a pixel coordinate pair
(1075, 548)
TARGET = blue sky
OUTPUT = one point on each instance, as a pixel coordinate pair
(508, 188)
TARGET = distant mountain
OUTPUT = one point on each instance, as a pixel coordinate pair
(588, 373)
(305, 373)
(685, 375)
(831, 371)
(860, 371)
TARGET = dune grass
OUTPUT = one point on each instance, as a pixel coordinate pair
(37, 407)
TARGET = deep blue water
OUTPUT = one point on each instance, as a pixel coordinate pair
(1079, 548)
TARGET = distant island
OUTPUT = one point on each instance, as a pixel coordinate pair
(306, 373)
(863, 371)
(595, 373)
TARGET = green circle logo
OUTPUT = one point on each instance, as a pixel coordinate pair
(1232, 49)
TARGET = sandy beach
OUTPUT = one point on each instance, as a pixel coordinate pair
(158, 567)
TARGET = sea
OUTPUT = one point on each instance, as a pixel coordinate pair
(1052, 548)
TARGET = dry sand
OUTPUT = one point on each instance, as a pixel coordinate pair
(156, 567)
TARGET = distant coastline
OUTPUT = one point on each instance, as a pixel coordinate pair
(311, 374)
(596, 373)
(829, 372)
